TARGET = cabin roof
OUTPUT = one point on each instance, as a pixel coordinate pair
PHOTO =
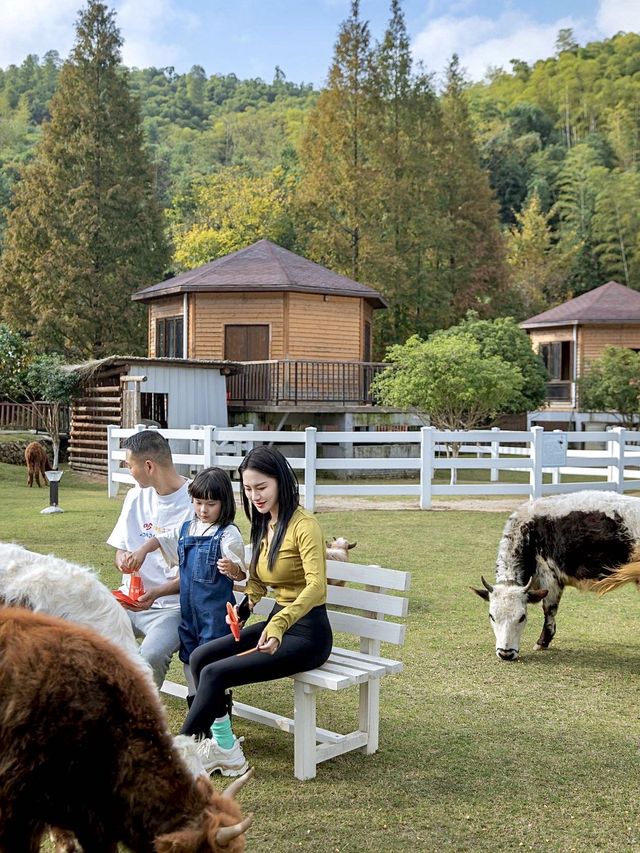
(88, 368)
(609, 303)
(260, 268)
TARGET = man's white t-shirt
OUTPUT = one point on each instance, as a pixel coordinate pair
(146, 514)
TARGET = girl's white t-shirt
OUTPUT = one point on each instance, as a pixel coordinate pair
(146, 514)
(231, 544)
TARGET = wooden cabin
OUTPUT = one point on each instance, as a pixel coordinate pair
(303, 332)
(571, 335)
(125, 391)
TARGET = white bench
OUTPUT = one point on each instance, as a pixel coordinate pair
(367, 594)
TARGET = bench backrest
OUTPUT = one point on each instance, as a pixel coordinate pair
(360, 608)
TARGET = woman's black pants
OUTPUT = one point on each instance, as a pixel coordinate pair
(220, 664)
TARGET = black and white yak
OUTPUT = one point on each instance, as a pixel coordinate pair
(589, 540)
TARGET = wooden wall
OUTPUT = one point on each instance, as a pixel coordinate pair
(99, 406)
(595, 339)
(309, 326)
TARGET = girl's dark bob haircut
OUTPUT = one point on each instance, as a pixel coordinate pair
(214, 484)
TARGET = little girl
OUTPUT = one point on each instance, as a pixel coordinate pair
(210, 553)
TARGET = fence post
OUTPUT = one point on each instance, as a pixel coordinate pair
(555, 473)
(310, 450)
(426, 466)
(495, 454)
(112, 464)
(616, 448)
(209, 448)
(535, 453)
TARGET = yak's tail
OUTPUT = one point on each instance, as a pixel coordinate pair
(625, 574)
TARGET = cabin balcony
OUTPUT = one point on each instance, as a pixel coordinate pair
(301, 383)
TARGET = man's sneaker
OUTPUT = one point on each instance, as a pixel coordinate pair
(229, 762)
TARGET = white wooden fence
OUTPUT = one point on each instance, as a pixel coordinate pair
(616, 466)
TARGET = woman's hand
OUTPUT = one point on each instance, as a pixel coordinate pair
(268, 645)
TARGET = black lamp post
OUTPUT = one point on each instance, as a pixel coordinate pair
(54, 478)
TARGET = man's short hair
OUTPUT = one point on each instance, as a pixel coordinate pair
(151, 445)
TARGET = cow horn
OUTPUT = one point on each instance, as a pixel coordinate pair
(227, 833)
(486, 585)
(239, 783)
(529, 582)
(351, 545)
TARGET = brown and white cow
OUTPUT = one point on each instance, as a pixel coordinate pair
(575, 540)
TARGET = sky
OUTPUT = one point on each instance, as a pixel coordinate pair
(250, 37)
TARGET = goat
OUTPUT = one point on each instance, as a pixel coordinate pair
(48, 584)
(86, 749)
(37, 462)
(338, 549)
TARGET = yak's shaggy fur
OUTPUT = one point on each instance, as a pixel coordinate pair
(47, 584)
(37, 462)
(86, 749)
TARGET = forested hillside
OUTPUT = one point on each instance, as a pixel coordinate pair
(506, 196)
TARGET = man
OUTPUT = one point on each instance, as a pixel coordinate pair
(159, 501)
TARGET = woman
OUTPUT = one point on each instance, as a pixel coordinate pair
(288, 555)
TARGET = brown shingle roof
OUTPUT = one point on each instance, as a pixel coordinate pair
(610, 303)
(262, 267)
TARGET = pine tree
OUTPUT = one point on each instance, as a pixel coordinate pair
(85, 231)
(469, 262)
(538, 269)
(335, 190)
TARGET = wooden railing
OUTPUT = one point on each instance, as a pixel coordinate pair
(27, 416)
(293, 382)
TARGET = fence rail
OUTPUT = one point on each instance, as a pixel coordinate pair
(616, 466)
(27, 416)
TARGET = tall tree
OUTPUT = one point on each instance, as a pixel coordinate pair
(538, 269)
(405, 117)
(85, 231)
(334, 192)
(469, 261)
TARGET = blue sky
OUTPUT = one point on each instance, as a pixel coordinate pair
(251, 37)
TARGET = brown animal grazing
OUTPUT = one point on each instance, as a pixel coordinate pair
(86, 749)
(37, 462)
(338, 549)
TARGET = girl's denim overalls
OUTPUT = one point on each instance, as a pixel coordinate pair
(204, 592)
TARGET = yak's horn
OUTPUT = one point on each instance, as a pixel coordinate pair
(351, 545)
(239, 783)
(227, 833)
(486, 585)
(529, 582)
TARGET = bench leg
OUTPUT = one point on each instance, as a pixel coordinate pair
(304, 735)
(370, 713)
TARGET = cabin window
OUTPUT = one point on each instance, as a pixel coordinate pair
(558, 359)
(169, 340)
(366, 354)
(246, 343)
(154, 407)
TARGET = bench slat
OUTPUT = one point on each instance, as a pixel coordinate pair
(392, 666)
(372, 602)
(372, 629)
(369, 575)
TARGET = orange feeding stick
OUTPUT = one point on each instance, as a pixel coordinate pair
(234, 623)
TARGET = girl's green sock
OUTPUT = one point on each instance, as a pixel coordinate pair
(221, 732)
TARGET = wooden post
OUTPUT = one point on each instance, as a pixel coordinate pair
(131, 408)
(426, 466)
(535, 453)
(310, 452)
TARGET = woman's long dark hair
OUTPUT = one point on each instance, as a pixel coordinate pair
(269, 461)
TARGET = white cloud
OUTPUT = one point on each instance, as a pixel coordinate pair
(483, 42)
(616, 15)
(155, 32)
(36, 26)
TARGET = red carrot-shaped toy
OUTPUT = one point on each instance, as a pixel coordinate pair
(234, 623)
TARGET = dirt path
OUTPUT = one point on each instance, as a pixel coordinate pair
(340, 504)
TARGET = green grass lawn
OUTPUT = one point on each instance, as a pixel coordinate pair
(476, 755)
